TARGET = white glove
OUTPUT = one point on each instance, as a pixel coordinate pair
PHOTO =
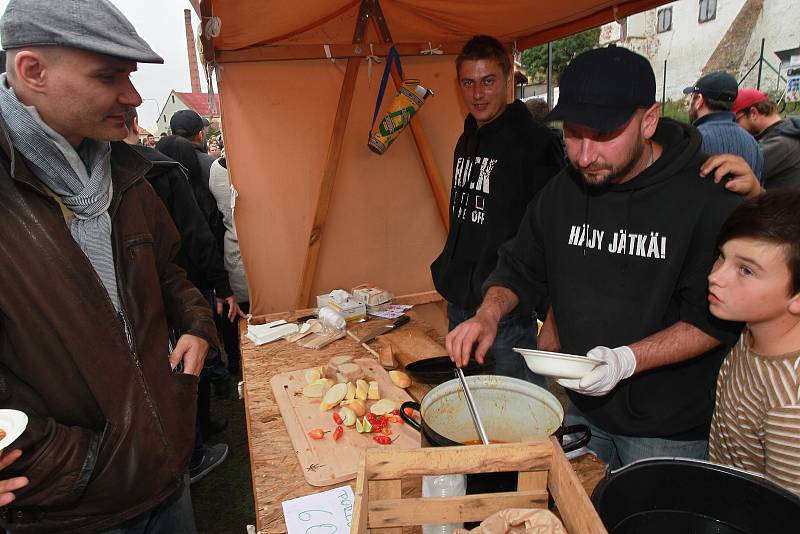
(618, 364)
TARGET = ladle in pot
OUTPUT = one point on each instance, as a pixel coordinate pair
(473, 410)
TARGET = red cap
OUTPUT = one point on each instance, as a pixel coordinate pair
(747, 98)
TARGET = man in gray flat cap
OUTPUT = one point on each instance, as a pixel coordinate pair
(90, 286)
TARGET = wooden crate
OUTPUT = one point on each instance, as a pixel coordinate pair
(543, 469)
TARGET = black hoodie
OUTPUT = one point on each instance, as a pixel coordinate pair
(497, 169)
(781, 146)
(199, 254)
(623, 262)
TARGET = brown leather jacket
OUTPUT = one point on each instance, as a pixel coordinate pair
(110, 429)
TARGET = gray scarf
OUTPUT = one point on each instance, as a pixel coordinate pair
(82, 181)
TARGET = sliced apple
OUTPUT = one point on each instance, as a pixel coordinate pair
(327, 383)
(333, 396)
(358, 406)
(351, 391)
(373, 393)
(348, 416)
(314, 391)
(362, 389)
(312, 375)
(383, 406)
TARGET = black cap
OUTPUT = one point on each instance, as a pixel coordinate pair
(601, 88)
(717, 86)
(187, 123)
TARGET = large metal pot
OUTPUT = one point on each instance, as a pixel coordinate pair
(511, 410)
(669, 495)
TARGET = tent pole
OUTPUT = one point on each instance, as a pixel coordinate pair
(326, 187)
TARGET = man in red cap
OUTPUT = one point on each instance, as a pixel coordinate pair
(779, 138)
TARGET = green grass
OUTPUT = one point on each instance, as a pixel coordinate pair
(676, 109)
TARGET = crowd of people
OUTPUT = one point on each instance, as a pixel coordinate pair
(670, 252)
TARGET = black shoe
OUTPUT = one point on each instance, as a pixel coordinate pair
(212, 458)
(214, 425)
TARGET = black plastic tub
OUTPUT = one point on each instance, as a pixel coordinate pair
(672, 496)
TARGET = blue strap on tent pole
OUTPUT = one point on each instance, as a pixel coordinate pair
(393, 56)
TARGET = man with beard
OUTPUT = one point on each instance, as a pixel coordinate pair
(710, 102)
(778, 137)
(621, 242)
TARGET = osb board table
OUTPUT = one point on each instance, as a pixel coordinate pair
(275, 470)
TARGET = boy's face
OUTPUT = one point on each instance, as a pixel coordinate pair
(750, 282)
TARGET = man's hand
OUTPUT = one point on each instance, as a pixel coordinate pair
(192, 351)
(233, 308)
(742, 179)
(12, 484)
(548, 336)
(481, 329)
(620, 363)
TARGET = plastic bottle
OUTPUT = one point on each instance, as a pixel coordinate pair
(443, 486)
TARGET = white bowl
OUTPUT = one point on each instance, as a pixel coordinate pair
(556, 364)
(13, 423)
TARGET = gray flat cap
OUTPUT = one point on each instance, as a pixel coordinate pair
(93, 25)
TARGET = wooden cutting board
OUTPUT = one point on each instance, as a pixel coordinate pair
(325, 461)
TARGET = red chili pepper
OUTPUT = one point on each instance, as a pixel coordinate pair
(337, 418)
(383, 440)
(338, 433)
(392, 418)
(317, 433)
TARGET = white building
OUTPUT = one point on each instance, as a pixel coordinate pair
(696, 37)
(177, 101)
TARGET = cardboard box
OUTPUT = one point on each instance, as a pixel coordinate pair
(350, 308)
(371, 295)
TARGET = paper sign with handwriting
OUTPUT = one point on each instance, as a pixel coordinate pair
(327, 512)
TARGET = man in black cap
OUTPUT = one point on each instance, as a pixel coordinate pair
(710, 102)
(621, 242)
(90, 286)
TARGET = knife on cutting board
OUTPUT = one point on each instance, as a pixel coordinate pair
(397, 323)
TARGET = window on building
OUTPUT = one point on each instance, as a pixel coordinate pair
(664, 23)
(173, 99)
(708, 10)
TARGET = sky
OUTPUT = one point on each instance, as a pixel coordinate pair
(160, 23)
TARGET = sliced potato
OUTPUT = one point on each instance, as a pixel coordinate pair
(314, 391)
(348, 416)
(383, 406)
(333, 397)
(312, 375)
(373, 393)
(400, 379)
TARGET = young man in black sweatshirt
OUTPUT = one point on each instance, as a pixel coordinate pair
(621, 243)
(501, 161)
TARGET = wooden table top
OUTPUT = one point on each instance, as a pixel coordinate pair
(276, 473)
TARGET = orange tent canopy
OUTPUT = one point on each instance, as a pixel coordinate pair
(316, 210)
